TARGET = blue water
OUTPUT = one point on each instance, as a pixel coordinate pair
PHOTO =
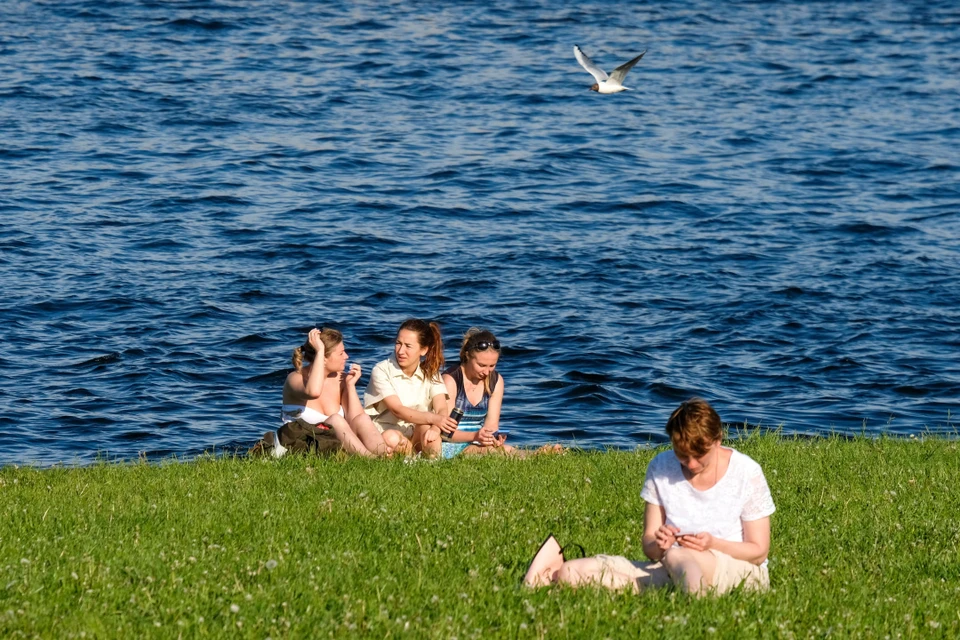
(771, 219)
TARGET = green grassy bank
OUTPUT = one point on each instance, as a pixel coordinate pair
(866, 542)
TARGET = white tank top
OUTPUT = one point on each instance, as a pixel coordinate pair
(290, 412)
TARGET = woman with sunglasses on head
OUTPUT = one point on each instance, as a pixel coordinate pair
(476, 388)
(321, 410)
(477, 392)
(405, 398)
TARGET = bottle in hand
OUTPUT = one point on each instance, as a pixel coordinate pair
(456, 414)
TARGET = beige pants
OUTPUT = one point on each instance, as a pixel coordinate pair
(730, 572)
(405, 429)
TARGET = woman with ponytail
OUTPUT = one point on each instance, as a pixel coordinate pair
(406, 399)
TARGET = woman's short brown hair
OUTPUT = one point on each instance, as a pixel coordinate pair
(693, 427)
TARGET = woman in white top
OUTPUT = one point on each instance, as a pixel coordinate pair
(706, 520)
(405, 398)
(321, 410)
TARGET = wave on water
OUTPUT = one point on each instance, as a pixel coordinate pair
(769, 219)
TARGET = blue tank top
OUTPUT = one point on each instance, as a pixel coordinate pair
(473, 414)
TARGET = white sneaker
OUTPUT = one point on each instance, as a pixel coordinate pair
(276, 449)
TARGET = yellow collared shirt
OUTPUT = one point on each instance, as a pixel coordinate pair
(388, 379)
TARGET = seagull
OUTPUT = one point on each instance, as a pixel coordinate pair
(605, 83)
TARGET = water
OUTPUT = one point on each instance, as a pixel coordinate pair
(770, 220)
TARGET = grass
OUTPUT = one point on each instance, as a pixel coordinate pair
(866, 542)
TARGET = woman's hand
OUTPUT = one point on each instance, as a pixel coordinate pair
(446, 423)
(485, 437)
(666, 536)
(702, 541)
(351, 377)
(314, 339)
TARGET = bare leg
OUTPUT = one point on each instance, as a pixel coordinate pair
(550, 449)
(545, 449)
(690, 570)
(590, 571)
(397, 442)
(475, 449)
(480, 450)
(426, 438)
(351, 443)
(361, 423)
(351, 402)
(371, 438)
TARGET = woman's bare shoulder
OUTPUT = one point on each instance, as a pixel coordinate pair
(294, 380)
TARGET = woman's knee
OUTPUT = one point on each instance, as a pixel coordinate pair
(675, 557)
(567, 574)
(690, 570)
(337, 422)
(431, 435)
(677, 561)
(574, 572)
(397, 442)
(362, 420)
(428, 441)
(426, 436)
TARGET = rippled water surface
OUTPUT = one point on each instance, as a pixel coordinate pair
(771, 219)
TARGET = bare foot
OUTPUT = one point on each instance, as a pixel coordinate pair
(551, 449)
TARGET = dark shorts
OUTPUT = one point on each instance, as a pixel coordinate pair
(302, 437)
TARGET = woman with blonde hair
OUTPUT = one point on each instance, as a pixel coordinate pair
(476, 391)
(405, 398)
(321, 410)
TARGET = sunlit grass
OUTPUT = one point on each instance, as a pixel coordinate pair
(866, 542)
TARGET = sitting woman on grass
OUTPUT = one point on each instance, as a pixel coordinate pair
(321, 410)
(405, 397)
(706, 521)
(477, 391)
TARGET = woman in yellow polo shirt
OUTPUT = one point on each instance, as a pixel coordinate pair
(406, 399)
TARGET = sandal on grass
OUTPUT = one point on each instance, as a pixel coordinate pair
(546, 562)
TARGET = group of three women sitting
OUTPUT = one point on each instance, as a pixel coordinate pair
(408, 406)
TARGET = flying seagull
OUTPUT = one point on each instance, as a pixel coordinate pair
(605, 83)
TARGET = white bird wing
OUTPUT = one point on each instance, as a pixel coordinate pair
(587, 64)
(621, 72)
